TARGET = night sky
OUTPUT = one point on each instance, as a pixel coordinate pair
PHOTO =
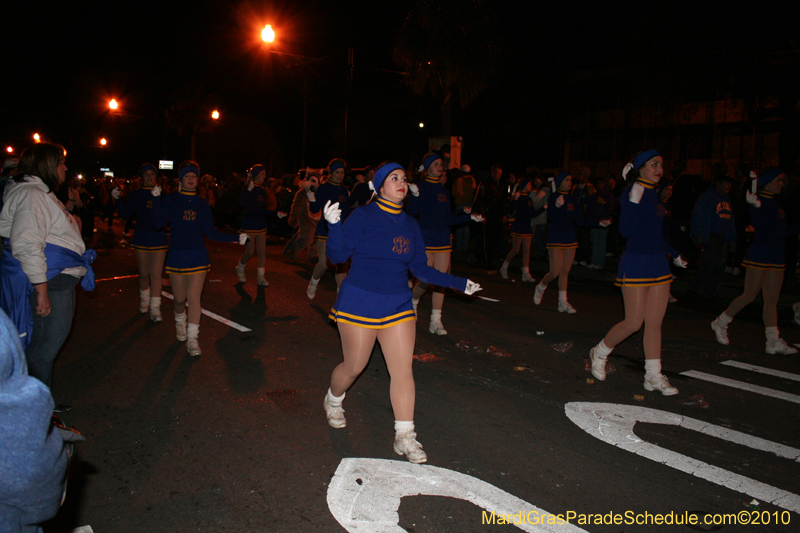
(63, 61)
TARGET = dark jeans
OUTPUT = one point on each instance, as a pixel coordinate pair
(488, 239)
(50, 332)
(712, 268)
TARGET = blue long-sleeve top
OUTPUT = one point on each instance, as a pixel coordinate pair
(601, 205)
(139, 203)
(384, 243)
(432, 206)
(189, 218)
(769, 221)
(334, 193)
(564, 219)
(713, 214)
(255, 208)
(524, 212)
(643, 223)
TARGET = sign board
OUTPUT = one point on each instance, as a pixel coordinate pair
(163, 164)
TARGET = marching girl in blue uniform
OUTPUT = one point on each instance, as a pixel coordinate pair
(189, 218)
(430, 201)
(765, 261)
(374, 302)
(562, 242)
(334, 191)
(643, 272)
(521, 230)
(148, 243)
(254, 223)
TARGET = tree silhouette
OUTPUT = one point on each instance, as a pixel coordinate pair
(448, 48)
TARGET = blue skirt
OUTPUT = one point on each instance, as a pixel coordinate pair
(187, 262)
(371, 310)
(764, 258)
(643, 270)
(149, 241)
(437, 241)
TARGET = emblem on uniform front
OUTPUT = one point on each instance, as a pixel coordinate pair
(149, 204)
(189, 215)
(661, 210)
(401, 245)
(570, 207)
(442, 197)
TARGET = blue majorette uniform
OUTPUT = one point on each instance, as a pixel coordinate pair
(334, 193)
(383, 243)
(767, 251)
(435, 215)
(254, 221)
(644, 262)
(523, 211)
(146, 237)
(189, 218)
(563, 220)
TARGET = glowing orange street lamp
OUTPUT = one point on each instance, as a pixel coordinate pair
(113, 104)
(268, 34)
(36, 137)
(10, 150)
(215, 114)
(103, 141)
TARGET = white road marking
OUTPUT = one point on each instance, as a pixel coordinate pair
(488, 299)
(215, 316)
(364, 495)
(614, 423)
(794, 398)
(762, 370)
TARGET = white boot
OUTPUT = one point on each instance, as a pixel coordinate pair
(180, 326)
(261, 281)
(334, 411)
(144, 300)
(155, 309)
(436, 323)
(405, 442)
(311, 291)
(537, 295)
(599, 356)
(526, 275)
(193, 344)
(504, 270)
(776, 345)
(240, 272)
(563, 304)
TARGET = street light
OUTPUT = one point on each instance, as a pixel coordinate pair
(421, 124)
(10, 150)
(268, 34)
(103, 141)
(215, 114)
(113, 105)
(36, 138)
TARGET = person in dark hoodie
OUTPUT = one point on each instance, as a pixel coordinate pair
(33, 464)
(714, 230)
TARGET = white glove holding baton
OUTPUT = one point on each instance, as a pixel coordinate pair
(560, 200)
(332, 213)
(637, 191)
(116, 193)
(311, 196)
(477, 218)
(243, 238)
(680, 262)
(606, 222)
(281, 214)
(156, 191)
(413, 188)
(472, 288)
(752, 199)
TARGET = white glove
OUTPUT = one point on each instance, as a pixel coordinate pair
(116, 193)
(281, 214)
(680, 262)
(605, 223)
(332, 212)
(752, 199)
(156, 191)
(413, 188)
(636, 193)
(467, 210)
(472, 288)
(516, 196)
(560, 200)
(250, 185)
(311, 196)
(477, 218)
(243, 238)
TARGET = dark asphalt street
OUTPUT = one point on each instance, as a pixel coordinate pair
(237, 439)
